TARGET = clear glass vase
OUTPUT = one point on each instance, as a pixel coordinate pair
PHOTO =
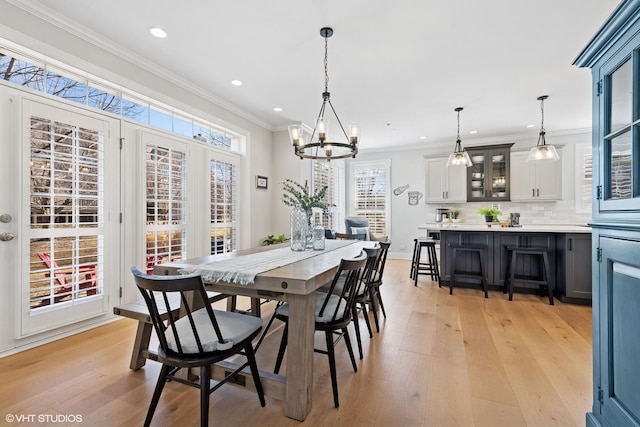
(299, 229)
(318, 237)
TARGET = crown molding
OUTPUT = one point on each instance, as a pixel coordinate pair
(54, 18)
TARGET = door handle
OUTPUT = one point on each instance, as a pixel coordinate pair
(538, 192)
(6, 237)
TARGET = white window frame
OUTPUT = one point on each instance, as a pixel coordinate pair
(234, 160)
(331, 174)
(582, 156)
(187, 227)
(373, 164)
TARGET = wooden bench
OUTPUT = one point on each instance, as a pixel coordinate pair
(138, 310)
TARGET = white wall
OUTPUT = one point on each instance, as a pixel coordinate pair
(285, 165)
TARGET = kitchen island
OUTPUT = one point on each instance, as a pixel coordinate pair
(568, 246)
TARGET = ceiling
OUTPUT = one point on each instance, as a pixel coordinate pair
(399, 68)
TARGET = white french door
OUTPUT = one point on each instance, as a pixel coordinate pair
(68, 186)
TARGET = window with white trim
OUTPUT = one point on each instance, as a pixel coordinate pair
(370, 194)
(166, 197)
(331, 174)
(67, 215)
(64, 81)
(584, 177)
(224, 201)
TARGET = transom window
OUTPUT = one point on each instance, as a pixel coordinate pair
(67, 82)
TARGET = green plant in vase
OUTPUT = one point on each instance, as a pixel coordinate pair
(295, 194)
(490, 214)
(454, 214)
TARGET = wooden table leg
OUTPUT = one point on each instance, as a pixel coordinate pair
(299, 383)
(141, 343)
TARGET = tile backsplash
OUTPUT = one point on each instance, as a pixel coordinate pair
(561, 212)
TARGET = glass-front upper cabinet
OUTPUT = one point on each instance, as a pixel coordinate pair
(619, 185)
(488, 177)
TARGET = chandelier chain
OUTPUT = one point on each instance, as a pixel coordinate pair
(326, 65)
(542, 115)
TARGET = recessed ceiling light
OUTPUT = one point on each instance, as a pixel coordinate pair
(236, 82)
(277, 109)
(158, 32)
(473, 131)
(531, 126)
(423, 137)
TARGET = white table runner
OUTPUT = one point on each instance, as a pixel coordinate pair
(244, 269)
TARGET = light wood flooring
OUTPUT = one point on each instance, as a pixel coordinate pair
(439, 360)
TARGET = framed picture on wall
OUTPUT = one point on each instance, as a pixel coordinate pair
(262, 182)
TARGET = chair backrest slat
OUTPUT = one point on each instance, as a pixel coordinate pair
(368, 275)
(381, 261)
(349, 271)
(162, 290)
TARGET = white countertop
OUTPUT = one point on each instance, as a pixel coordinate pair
(538, 228)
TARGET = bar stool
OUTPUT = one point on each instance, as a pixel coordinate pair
(479, 249)
(542, 280)
(426, 268)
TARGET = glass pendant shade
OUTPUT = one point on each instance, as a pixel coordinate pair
(296, 135)
(543, 152)
(460, 158)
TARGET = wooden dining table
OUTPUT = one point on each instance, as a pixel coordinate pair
(294, 282)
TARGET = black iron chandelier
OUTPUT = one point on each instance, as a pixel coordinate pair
(319, 146)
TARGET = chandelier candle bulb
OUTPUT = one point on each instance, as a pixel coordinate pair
(355, 133)
(322, 127)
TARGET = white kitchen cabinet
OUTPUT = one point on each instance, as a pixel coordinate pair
(535, 181)
(445, 185)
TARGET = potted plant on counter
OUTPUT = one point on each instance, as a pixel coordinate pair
(274, 240)
(490, 214)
